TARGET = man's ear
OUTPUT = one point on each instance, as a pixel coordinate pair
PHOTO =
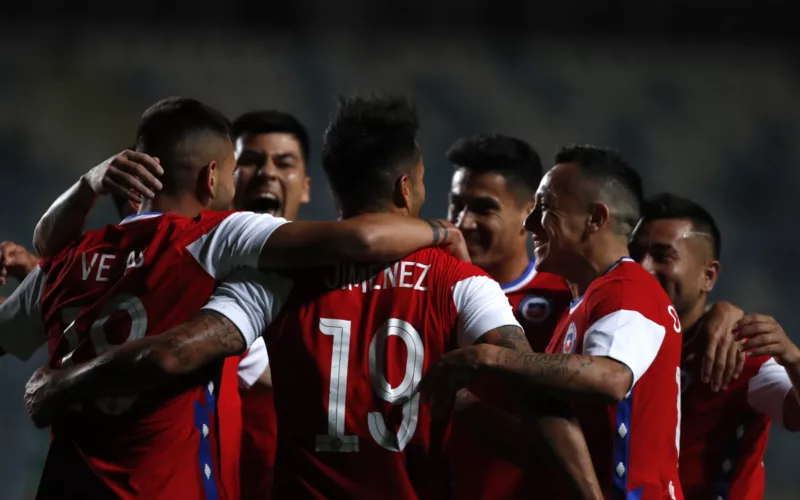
(599, 217)
(206, 182)
(710, 275)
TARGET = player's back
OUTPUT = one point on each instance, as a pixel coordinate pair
(347, 353)
(625, 315)
(120, 284)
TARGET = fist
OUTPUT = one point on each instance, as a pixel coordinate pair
(15, 261)
(129, 175)
(38, 396)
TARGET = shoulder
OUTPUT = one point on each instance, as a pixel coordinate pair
(628, 287)
(547, 282)
(442, 264)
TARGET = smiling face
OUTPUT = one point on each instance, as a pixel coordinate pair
(483, 207)
(680, 258)
(559, 220)
(271, 174)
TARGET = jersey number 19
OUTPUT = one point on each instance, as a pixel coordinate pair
(336, 440)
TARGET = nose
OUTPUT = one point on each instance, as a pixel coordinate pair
(465, 220)
(533, 222)
(268, 170)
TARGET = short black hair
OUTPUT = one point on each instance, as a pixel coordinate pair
(671, 206)
(619, 185)
(167, 127)
(369, 142)
(510, 157)
(270, 122)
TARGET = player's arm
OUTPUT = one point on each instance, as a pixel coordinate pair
(379, 237)
(486, 318)
(128, 174)
(21, 327)
(232, 319)
(775, 389)
(618, 348)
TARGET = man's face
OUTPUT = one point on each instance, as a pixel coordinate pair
(271, 174)
(488, 214)
(677, 257)
(559, 220)
(224, 186)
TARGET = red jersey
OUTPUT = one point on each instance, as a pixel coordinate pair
(260, 426)
(347, 353)
(626, 315)
(724, 434)
(140, 278)
(538, 300)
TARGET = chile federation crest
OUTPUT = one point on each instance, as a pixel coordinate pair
(570, 339)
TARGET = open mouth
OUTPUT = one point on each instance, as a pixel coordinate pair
(264, 203)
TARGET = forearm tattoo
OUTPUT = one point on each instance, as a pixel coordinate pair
(439, 230)
(206, 337)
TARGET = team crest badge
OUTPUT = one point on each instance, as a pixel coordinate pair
(534, 309)
(569, 339)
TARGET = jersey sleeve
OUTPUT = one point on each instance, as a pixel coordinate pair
(235, 242)
(621, 327)
(766, 391)
(21, 324)
(250, 300)
(481, 306)
(253, 363)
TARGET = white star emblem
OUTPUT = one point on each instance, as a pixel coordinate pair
(205, 431)
(211, 387)
(622, 431)
(620, 469)
(207, 470)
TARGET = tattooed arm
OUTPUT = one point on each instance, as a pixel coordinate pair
(544, 421)
(135, 367)
(379, 237)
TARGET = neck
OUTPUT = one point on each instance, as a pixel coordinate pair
(596, 262)
(509, 269)
(690, 319)
(172, 204)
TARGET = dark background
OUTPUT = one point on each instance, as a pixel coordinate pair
(702, 97)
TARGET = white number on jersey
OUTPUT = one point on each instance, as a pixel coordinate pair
(97, 336)
(336, 440)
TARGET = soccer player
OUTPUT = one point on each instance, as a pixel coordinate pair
(723, 434)
(142, 277)
(492, 192)
(615, 357)
(272, 150)
(353, 341)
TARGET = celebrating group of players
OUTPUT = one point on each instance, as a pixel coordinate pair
(201, 353)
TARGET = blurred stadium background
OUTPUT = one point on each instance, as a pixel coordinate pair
(702, 97)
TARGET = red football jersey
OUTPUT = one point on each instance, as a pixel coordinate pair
(538, 300)
(347, 353)
(724, 434)
(626, 315)
(140, 278)
(259, 426)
